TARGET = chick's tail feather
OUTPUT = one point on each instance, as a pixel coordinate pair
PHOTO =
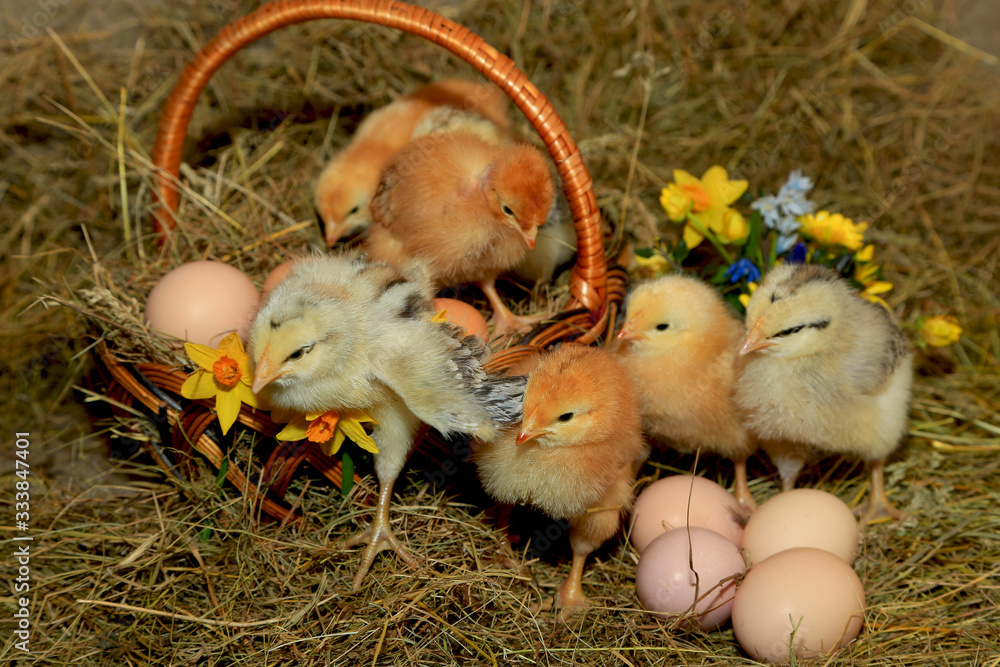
(500, 396)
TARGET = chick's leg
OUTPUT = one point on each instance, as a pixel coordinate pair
(878, 506)
(741, 487)
(504, 321)
(394, 438)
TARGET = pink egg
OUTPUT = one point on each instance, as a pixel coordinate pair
(664, 505)
(802, 600)
(276, 275)
(667, 585)
(464, 315)
(202, 302)
(802, 518)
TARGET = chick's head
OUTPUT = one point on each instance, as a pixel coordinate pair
(576, 395)
(674, 311)
(294, 342)
(797, 311)
(343, 193)
(518, 187)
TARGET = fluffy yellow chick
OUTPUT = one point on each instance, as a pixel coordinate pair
(679, 344)
(347, 183)
(576, 454)
(344, 333)
(824, 370)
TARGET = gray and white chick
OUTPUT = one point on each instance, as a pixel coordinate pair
(343, 333)
(824, 369)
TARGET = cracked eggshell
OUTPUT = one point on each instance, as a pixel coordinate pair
(663, 505)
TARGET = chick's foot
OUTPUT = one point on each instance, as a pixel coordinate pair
(378, 536)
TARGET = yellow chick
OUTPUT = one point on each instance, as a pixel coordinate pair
(576, 454)
(824, 370)
(340, 332)
(679, 344)
(348, 181)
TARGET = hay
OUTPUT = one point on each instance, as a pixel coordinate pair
(896, 121)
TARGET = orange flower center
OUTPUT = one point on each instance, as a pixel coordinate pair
(227, 371)
(700, 201)
(321, 429)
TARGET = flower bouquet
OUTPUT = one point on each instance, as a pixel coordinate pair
(732, 251)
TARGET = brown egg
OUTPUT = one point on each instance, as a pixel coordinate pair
(664, 504)
(667, 585)
(202, 302)
(276, 275)
(802, 518)
(464, 315)
(804, 601)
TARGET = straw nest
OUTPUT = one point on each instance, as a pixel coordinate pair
(895, 120)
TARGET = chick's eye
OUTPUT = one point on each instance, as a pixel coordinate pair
(663, 326)
(354, 210)
(507, 210)
(791, 330)
(566, 416)
(299, 353)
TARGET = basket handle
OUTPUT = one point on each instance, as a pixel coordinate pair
(588, 280)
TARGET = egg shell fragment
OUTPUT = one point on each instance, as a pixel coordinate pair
(663, 505)
(802, 518)
(202, 302)
(667, 585)
(804, 591)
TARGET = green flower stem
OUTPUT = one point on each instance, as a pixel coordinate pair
(710, 235)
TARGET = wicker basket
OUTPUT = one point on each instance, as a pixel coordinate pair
(187, 426)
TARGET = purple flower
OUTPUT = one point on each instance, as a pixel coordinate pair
(743, 268)
(798, 254)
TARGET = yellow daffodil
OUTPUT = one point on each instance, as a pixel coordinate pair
(222, 374)
(655, 265)
(710, 198)
(833, 229)
(678, 200)
(940, 330)
(745, 298)
(329, 430)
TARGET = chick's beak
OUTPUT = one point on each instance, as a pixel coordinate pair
(627, 334)
(530, 235)
(264, 373)
(527, 432)
(755, 339)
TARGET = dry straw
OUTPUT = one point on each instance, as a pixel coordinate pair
(896, 121)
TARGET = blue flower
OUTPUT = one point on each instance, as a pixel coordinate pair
(798, 254)
(792, 195)
(743, 268)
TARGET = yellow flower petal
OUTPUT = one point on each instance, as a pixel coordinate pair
(232, 347)
(744, 299)
(227, 406)
(352, 428)
(722, 190)
(940, 330)
(295, 429)
(202, 355)
(865, 254)
(692, 237)
(675, 202)
(200, 384)
(734, 225)
(247, 396)
(878, 287)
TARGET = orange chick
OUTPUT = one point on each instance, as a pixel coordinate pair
(345, 186)
(576, 454)
(469, 208)
(679, 344)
